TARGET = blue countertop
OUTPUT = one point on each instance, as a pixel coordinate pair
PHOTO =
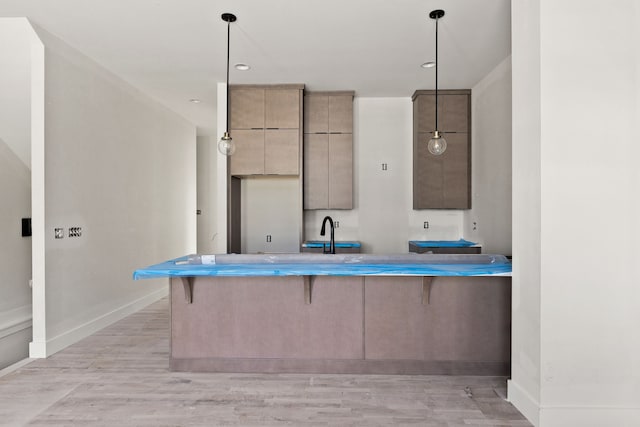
(332, 265)
(462, 243)
(325, 243)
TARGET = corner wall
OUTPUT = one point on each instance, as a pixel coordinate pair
(590, 193)
(576, 209)
(121, 167)
(489, 219)
(524, 385)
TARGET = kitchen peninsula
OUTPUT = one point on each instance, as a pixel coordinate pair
(350, 313)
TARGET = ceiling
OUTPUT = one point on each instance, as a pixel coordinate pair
(175, 51)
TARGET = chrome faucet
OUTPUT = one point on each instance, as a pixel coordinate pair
(332, 242)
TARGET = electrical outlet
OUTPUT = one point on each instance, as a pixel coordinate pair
(337, 224)
(59, 233)
(75, 231)
(385, 166)
(475, 226)
(426, 224)
(268, 238)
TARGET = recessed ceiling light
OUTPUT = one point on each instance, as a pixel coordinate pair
(195, 101)
(242, 67)
(429, 64)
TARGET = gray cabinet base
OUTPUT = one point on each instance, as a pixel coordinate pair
(352, 324)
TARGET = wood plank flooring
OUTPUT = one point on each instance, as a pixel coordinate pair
(119, 377)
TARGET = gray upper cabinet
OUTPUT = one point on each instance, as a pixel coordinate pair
(266, 128)
(246, 107)
(328, 150)
(453, 111)
(341, 114)
(282, 109)
(442, 182)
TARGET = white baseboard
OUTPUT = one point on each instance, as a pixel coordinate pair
(15, 320)
(54, 345)
(12, 368)
(570, 416)
(524, 402)
(589, 417)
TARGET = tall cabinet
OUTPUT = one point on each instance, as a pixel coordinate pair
(266, 127)
(328, 150)
(442, 182)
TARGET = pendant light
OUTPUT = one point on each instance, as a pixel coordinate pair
(437, 144)
(226, 145)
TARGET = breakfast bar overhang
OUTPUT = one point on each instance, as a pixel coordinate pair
(349, 313)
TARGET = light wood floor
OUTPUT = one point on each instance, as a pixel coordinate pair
(120, 377)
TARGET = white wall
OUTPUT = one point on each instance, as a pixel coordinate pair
(488, 222)
(15, 58)
(15, 189)
(219, 227)
(123, 168)
(524, 386)
(207, 180)
(15, 256)
(270, 206)
(589, 208)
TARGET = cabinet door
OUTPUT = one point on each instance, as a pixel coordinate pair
(456, 174)
(246, 107)
(316, 114)
(466, 319)
(453, 112)
(281, 152)
(249, 156)
(394, 318)
(282, 109)
(442, 182)
(341, 171)
(340, 114)
(316, 171)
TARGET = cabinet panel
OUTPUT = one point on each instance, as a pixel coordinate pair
(316, 114)
(341, 114)
(316, 171)
(246, 107)
(249, 156)
(453, 112)
(428, 179)
(341, 171)
(266, 317)
(442, 182)
(281, 151)
(282, 108)
(456, 175)
(394, 318)
(466, 319)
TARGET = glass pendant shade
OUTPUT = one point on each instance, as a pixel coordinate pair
(437, 144)
(226, 145)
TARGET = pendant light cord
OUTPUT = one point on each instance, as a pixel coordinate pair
(437, 19)
(228, 44)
